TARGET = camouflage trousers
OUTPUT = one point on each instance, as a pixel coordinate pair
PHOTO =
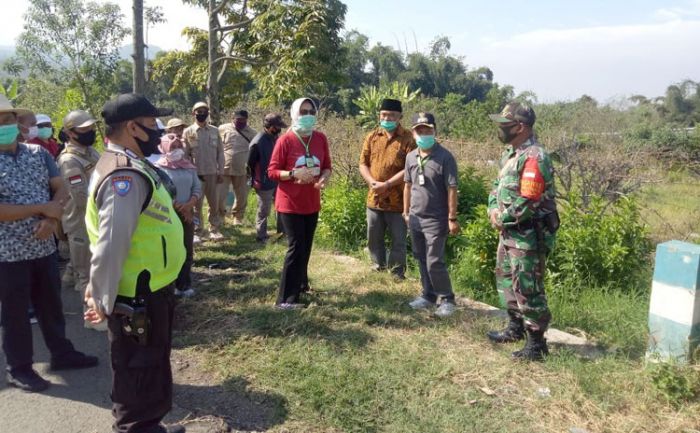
(519, 279)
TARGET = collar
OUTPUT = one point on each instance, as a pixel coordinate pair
(19, 148)
(119, 148)
(83, 150)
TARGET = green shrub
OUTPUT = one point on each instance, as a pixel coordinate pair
(472, 192)
(605, 246)
(342, 221)
(676, 384)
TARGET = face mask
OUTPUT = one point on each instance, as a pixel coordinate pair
(240, 124)
(201, 117)
(86, 138)
(389, 125)
(32, 133)
(45, 133)
(150, 146)
(425, 141)
(506, 135)
(306, 122)
(176, 155)
(8, 134)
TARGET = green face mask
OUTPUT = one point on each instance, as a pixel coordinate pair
(389, 125)
(425, 142)
(45, 133)
(307, 122)
(8, 134)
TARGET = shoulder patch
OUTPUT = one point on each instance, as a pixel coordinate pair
(122, 184)
(75, 180)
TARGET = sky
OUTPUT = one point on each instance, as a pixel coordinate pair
(560, 50)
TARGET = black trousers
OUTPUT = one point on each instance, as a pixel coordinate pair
(184, 278)
(37, 281)
(300, 231)
(142, 381)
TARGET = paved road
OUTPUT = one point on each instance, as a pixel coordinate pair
(77, 401)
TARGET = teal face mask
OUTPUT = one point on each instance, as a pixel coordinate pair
(45, 133)
(306, 122)
(8, 134)
(425, 141)
(389, 125)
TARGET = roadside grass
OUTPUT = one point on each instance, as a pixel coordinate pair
(672, 207)
(359, 360)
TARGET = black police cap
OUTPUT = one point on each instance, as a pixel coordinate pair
(129, 106)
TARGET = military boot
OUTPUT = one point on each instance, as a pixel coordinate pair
(535, 348)
(513, 332)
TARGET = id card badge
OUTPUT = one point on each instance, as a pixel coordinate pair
(310, 162)
(421, 179)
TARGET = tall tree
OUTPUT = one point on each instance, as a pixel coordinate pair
(139, 59)
(74, 42)
(287, 47)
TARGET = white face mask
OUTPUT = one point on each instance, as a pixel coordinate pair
(32, 133)
(176, 155)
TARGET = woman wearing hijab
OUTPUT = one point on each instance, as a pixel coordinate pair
(189, 190)
(301, 164)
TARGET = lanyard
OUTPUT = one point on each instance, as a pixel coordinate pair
(421, 163)
(305, 144)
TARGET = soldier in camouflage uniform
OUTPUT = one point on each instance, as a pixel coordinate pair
(522, 208)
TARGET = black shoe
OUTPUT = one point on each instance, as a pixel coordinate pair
(27, 380)
(515, 331)
(175, 428)
(73, 361)
(535, 348)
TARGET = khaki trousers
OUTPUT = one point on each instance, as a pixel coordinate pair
(240, 190)
(210, 189)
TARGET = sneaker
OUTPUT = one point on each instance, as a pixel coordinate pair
(289, 306)
(196, 240)
(73, 361)
(420, 303)
(27, 380)
(187, 293)
(446, 309)
(215, 236)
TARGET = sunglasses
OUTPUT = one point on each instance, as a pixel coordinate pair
(304, 112)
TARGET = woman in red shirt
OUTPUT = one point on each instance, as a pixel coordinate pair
(301, 164)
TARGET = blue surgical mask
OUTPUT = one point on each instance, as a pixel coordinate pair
(389, 125)
(306, 122)
(8, 134)
(425, 141)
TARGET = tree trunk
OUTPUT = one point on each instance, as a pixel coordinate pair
(139, 61)
(212, 83)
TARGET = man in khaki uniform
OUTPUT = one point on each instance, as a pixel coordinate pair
(76, 163)
(203, 147)
(175, 126)
(236, 137)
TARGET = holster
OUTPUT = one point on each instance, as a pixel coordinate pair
(135, 323)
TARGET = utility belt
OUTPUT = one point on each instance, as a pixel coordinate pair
(132, 313)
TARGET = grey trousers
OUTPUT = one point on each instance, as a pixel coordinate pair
(264, 204)
(429, 251)
(377, 224)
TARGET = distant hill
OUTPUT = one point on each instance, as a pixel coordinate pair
(6, 51)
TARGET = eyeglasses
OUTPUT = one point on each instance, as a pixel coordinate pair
(304, 112)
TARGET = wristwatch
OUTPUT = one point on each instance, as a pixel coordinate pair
(291, 174)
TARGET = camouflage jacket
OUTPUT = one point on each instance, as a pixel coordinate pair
(523, 192)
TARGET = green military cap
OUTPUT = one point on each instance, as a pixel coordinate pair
(515, 112)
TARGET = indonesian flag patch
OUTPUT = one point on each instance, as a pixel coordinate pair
(122, 185)
(75, 180)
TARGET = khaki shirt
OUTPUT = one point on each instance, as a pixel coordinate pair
(385, 157)
(203, 147)
(236, 145)
(76, 164)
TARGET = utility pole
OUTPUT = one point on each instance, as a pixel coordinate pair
(139, 60)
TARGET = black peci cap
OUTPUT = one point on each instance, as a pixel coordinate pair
(391, 105)
(273, 119)
(129, 106)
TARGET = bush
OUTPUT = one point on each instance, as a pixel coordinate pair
(342, 221)
(600, 247)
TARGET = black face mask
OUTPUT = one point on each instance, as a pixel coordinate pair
(86, 138)
(506, 135)
(150, 146)
(201, 117)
